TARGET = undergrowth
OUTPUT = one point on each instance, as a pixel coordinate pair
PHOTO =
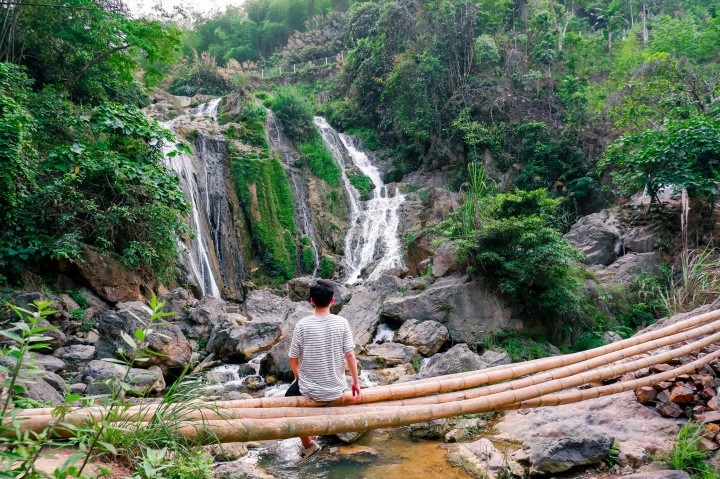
(686, 456)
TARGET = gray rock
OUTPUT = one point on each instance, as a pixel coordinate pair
(390, 354)
(276, 362)
(143, 381)
(645, 239)
(40, 390)
(240, 343)
(598, 236)
(431, 430)
(240, 470)
(445, 260)
(470, 311)
(611, 337)
(49, 363)
(76, 356)
(350, 437)
(229, 372)
(65, 303)
(178, 301)
(427, 336)
(419, 251)
(666, 474)
(175, 351)
(363, 309)
(264, 306)
(57, 337)
(460, 359)
(202, 317)
(299, 291)
(55, 381)
(550, 455)
(627, 268)
(482, 459)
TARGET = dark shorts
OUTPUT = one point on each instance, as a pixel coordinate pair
(293, 390)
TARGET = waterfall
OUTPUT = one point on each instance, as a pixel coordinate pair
(373, 234)
(213, 256)
(298, 182)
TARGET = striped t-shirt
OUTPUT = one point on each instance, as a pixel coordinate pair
(320, 344)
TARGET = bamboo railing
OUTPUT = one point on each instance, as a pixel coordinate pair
(543, 382)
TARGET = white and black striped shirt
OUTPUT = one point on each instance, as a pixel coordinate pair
(320, 344)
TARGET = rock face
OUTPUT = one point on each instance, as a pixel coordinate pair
(460, 359)
(363, 309)
(174, 349)
(445, 260)
(598, 237)
(469, 310)
(427, 336)
(109, 279)
(638, 431)
(628, 267)
(550, 455)
(482, 459)
(419, 250)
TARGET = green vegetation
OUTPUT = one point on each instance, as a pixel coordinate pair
(370, 139)
(327, 267)
(519, 347)
(362, 183)
(308, 255)
(320, 161)
(685, 455)
(137, 444)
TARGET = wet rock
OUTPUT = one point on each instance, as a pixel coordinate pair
(76, 356)
(445, 260)
(276, 362)
(427, 336)
(482, 459)
(229, 451)
(390, 354)
(175, 351)
(240, 470)
(436, 429)
(551, 455)
(350, 437)
(240, 343)
(598, 236)
(227, 372)
(143, 381)
(356, 452)
(460, 359)
(469, 310)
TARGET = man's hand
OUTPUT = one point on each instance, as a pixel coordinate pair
(357, 395)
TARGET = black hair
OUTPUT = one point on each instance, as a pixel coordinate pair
(322, 293)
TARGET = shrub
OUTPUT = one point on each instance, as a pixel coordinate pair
(327, 268)
(295, 112)
(362, 183)
(201, 76)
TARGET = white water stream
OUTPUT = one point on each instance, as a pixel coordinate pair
(373, 234)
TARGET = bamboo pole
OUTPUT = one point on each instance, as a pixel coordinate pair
(145, 415)
(447, 383)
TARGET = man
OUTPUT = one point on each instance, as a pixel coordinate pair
(321, 345)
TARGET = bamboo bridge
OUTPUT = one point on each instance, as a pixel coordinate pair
(549, 381)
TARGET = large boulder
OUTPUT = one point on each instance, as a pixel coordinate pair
(264, 306)
(299, 291)
(460, 359)
(645, 238)
(427, 336)
(445, 260)
(598, 236)
(241, 343)
(418, 251)
(203, 316)
(174, 350)
(389, 354)
(482, 459)
(469, 310)
(76, 356)
(142, 381)
(179, 301)
(627, 268)
(553, 454)
(639, 432)
(363, 309)
(39, 389)
(276, 362)
(108, 278)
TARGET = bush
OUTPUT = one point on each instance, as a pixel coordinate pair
(295, 112)
(201, 76)
(362, 183)
(327, 268)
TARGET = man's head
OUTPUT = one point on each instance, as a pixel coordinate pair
(321, 293)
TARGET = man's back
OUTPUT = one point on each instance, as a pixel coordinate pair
(320, 342)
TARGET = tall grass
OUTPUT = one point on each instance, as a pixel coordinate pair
(696, 283)
(685, 455)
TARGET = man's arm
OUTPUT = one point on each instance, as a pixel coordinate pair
(352, 366)
(294, 362)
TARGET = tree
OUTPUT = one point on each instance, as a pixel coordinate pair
(682, 155)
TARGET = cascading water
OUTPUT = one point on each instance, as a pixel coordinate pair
(214, 257)
(373, 234)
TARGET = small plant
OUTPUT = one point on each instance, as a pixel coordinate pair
(613, 456)
(416, 363)
(685, 455)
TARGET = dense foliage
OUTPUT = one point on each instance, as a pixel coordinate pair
(81, 164)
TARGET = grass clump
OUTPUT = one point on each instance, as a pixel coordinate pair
(695, 283)
(327, 267)
(362, 183)
(686, 456)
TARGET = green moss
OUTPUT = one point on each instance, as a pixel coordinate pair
(327, 267)
(362, 183)
(267, 201)
(320, 161)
